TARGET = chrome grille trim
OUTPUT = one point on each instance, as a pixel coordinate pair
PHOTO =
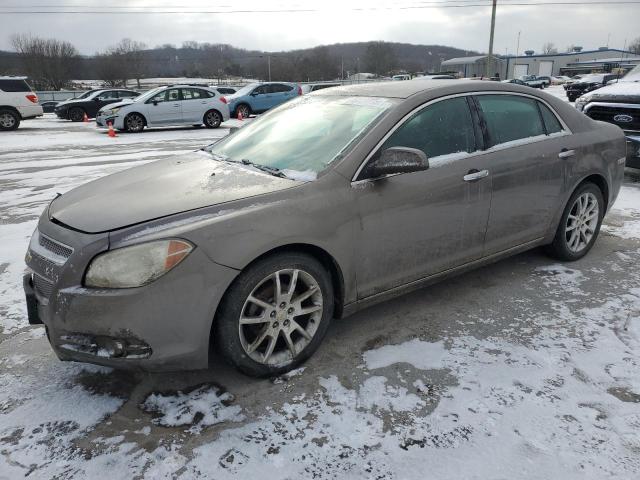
(54, 246)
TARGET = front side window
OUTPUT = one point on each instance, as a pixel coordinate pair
(110, 95)
(510, 117)
(443, 128)
(262, 89)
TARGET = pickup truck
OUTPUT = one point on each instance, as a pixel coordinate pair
(619, 104)
(533, 81)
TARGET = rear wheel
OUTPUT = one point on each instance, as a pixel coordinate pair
(9, 120)
(579, 225)
(76, 114)
(212, 119)
(243, 109)
(275, 314)
(134, 123)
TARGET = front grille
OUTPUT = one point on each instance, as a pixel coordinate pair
(43, 286)
(607, 114)
(54, 247)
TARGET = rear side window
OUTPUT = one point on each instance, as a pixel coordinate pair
(193, 93)
(279, 88)
(551, 122)
(443, 128)
(126, 94)
(510, 117)
(14, 86)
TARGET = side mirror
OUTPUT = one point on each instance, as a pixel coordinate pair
(397, 160)
(155, 103)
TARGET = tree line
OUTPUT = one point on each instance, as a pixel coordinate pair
(52, 64)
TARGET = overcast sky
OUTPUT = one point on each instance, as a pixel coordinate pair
(337, 21)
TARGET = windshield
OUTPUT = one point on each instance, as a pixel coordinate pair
(633, 75)
(303, 135)
(148, 94)
(246, 90)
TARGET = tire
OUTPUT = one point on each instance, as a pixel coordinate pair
(579, 208)
(9, 120)
(278, 322)
(134, 123)
(245, 109)
(76, 114)
(212, 119)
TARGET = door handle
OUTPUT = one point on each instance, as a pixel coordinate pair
(565, 153)
(474, 175)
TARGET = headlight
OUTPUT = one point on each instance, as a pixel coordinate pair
(110, 111)
(580, 103)
(137, 265)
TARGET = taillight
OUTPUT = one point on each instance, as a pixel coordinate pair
(299, 90)
(223, 100)
(32, 98)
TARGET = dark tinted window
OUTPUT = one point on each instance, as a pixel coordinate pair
(260, 90)
(127, 94)
(14, 86)
(280, 88)
(551, 122)
(440, 129)
(108, 95)
(510, 117)
(226, 91)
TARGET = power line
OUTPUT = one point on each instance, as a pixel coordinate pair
(432, 5)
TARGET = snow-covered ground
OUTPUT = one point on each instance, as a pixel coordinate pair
(523, 369)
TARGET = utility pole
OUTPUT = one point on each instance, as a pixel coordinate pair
(269, 65)
(493, 27)
(515, 60)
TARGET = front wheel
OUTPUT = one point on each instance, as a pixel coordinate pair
(275, 314)
(134, 123)
(9, 120)
(76, 114)
(212, 119)
(579, 225)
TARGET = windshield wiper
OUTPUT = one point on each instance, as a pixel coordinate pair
(276, 172)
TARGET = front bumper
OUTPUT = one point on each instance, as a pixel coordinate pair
(104, 120)
(633, 150)
(163, 326)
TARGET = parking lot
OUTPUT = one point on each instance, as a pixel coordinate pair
(527, 368)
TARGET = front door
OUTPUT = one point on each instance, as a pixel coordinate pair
(418, 224)
(165, 108)
(527, 172)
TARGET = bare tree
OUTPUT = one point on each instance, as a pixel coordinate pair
(132, 54)
(48, 62)
(110, 68)
(379, 58)
(634, 46)
(549, 48)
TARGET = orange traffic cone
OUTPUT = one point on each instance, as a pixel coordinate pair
(240, 115)
(85, 119)
(112, 132)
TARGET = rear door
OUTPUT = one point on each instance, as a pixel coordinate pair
(261, 98)
(526, 139)
(165, 108)
(281, 93)
(418, 224)
(194, 104)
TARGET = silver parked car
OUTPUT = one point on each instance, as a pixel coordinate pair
(329, 203)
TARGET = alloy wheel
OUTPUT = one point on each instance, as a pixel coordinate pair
(7, 120)
(213, 119)
(280, 317)
(134, 123)
(582, 222)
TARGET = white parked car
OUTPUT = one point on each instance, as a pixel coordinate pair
(559, 79)
(17, 102)
(164, 106)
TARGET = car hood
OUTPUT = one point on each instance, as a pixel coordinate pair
(623, 91)
(158, 189)
(117, 105)
(71, 102)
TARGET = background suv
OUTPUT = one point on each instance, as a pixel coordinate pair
(587, 84)
(618, 104)
(17, 102)
(163, 106)
(91, 103)
(260, 97)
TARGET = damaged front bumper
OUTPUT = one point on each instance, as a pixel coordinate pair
(162, 326)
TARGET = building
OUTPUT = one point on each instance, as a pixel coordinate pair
(579, 61)
(468, 67)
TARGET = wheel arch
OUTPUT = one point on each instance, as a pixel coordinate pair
(12, 108)
(146, 123)
(320, 254)
(213, 110)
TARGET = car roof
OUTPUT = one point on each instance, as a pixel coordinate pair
(6, 77)
(408, 89)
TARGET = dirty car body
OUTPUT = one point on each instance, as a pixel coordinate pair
(377, 236)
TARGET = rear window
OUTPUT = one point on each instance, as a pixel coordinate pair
(14, 86)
